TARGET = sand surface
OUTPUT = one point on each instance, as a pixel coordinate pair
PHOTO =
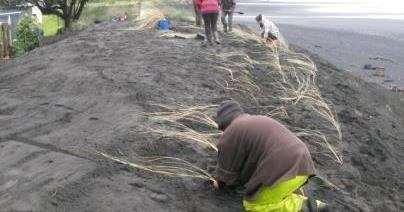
(84, 92)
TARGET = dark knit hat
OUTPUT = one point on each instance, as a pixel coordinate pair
(228, 110)
(258, 18)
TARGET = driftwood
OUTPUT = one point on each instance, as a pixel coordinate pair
(397, 89)
(379, 72)
(383, 59)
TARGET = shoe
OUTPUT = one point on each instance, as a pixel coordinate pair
(224, 27)
(209, 39)
(216, 36)
(230, 29)
(205, 42)
(322, 207)
(311, 205)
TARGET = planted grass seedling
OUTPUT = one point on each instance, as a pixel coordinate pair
(169, 166)
(294, 76)
(173, 166)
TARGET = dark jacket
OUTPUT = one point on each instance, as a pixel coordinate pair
(258, 151)
(228, 4)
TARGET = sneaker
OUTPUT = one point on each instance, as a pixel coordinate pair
(217, 40)
(205, 43)
(322, 207)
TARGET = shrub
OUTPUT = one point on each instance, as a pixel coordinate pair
(27, 35)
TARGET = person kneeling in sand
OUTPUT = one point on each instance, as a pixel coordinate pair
(266, 158)
(269, 31)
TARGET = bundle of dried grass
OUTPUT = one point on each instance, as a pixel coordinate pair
(178, 130)
(293, 76)
(149, 19)
(236, 65)
(174, 126)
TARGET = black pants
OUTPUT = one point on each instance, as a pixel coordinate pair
(210, 20)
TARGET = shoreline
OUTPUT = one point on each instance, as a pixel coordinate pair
(350, 51)
(344, 33)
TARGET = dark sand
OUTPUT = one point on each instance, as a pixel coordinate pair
(78, 93)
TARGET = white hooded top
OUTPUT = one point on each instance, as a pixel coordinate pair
(269, 26)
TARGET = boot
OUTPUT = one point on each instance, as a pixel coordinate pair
(210, 42)
(312, 205)
(230, 28)
(208, 39)
(205, 42)
(224, 28)
(216, 36)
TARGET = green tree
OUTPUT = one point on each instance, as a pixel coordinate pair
(10, 3)
(27, 35)
(68, 10)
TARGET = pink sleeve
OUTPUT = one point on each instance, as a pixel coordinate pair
(198, 4)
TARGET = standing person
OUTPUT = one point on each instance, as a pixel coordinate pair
(210, 12)
(266, 158)
(228, 7)
(269, 31)
(198, 16)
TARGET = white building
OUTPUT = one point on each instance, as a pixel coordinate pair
(12, 16)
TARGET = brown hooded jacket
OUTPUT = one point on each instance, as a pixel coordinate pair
(258, 151)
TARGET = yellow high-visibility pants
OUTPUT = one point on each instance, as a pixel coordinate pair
(279, 198)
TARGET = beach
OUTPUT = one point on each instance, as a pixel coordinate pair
(119, 117)
(349, 35)
(350, 51)
(69, 108)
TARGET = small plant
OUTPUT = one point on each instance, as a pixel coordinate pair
(27, 35)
